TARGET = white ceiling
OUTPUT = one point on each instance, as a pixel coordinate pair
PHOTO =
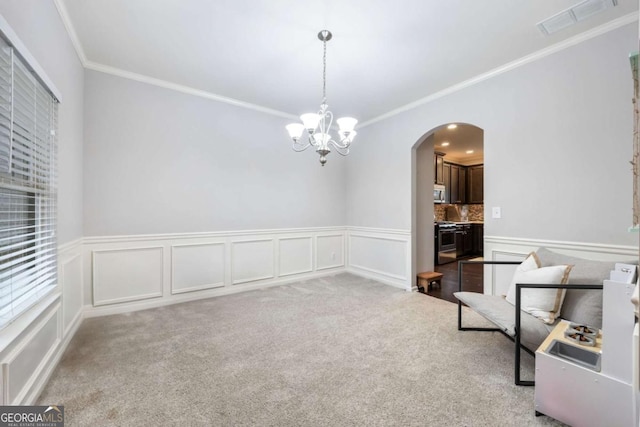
(383, 55)
(461, 139)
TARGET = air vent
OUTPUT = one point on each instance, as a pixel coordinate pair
(577, 13)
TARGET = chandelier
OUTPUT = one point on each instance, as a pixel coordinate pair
(319, 124)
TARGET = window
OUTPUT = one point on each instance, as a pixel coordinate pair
(28, 248)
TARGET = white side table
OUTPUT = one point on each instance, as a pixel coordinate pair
(582, 395)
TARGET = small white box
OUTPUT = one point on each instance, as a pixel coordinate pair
(624, 273)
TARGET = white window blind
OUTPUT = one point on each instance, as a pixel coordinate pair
(28, 248)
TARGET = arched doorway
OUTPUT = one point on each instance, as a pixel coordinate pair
(459, 148)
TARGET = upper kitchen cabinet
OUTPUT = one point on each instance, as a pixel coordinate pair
(475, 189)
(458, 181)
(438, 165)
(447, 182)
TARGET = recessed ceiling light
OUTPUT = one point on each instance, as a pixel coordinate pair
(452, 126)
(469, 151)
(445, 144)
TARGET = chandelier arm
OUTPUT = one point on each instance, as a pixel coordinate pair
(340, 144)
(343, 151)
(327, 127)
(298, 147)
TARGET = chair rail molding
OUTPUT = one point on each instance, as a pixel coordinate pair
(499, 248)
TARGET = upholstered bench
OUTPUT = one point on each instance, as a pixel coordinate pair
(582, 306)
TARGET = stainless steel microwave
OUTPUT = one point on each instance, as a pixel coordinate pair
(439, 193)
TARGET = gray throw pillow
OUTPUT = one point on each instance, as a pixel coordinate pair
(581, 306)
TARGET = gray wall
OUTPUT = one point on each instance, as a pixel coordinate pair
(557, 138)
(557, 147)
(160, 161)
(39, 27)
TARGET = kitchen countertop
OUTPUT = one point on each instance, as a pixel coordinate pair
(460, 222)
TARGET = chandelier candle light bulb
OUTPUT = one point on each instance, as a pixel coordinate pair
(319, 124)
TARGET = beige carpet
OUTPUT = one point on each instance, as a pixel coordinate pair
(335, 351)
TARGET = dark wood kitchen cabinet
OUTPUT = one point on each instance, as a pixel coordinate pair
(438, 167)
(467, 240)
(464, 240)
(475, 189)
(458, 182)
(447, 182)
(464, 184)
(478, 239)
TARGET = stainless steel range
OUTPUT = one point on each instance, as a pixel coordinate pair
(445, 242)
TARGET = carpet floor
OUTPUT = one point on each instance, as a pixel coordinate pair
(334, 351)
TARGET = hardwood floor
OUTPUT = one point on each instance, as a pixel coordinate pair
(472, 280)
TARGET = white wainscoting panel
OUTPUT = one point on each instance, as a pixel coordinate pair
(329, 251)
(32, 345)
(71, 282)
(252, 260)
(295, 255)
(384, 255)
(128, 273)
(498, 278)
(28, 359)
(121, 275)
(195, 267)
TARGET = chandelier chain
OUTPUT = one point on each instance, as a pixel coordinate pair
(324, 72)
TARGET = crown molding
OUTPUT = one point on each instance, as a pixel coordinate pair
(602, 29)
(71, 31)
(90, 65)
(594, 32)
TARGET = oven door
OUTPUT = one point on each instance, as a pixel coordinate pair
(446, 245)
(447, 238)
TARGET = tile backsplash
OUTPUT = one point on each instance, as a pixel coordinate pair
(476, 212)
(439, 211)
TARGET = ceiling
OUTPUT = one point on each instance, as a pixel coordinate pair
(383, 56)
(461, 139)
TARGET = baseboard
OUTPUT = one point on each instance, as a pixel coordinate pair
(378, 278)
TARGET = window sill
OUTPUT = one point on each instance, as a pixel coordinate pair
(17, 328)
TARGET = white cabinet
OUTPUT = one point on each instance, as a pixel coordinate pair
(581, 396)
